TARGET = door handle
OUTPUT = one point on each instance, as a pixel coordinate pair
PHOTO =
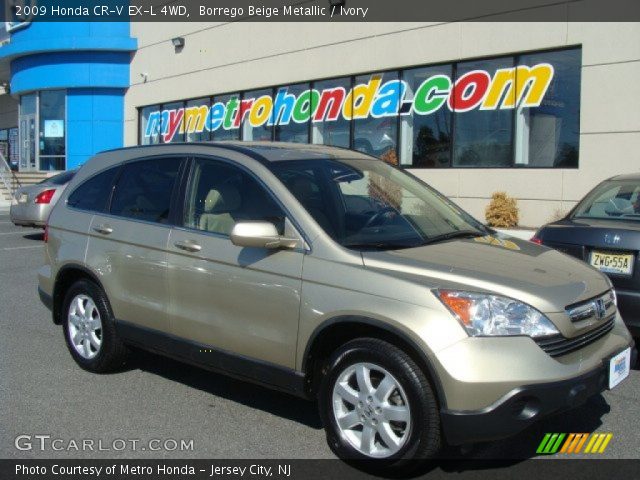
(103, 229)
(188, 245)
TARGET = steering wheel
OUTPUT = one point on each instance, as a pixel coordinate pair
(379, 215)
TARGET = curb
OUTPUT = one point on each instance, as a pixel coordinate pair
(521, 234)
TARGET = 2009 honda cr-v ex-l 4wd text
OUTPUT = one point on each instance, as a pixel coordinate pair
(328, 274)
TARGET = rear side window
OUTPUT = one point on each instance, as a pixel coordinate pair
(143, 190)
(94, 193)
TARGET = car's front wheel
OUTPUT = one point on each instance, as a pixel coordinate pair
(89, 330)
(376, 403)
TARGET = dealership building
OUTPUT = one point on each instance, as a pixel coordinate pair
(543, 111)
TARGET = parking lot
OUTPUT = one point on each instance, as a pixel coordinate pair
(43, 392)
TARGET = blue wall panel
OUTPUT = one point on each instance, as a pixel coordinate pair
(70, 70)
(95, 119)
(90, 60)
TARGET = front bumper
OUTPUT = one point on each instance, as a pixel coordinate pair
(525, 405)
(46, 299)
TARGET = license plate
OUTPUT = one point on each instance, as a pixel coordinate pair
(619, 367)
(612, 262)
(23, 198)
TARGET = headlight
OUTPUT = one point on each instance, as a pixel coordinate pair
(495, 315)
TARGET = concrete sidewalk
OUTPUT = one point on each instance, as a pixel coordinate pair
(524, 234)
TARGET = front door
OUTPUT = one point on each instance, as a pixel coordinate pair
(239, 300)
(28, 135)
(128, 244)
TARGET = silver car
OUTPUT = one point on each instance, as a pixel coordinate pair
(33, 203)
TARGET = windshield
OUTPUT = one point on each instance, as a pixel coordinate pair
(369, 204)
(611, 200)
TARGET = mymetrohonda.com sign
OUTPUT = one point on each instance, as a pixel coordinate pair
(522, 86)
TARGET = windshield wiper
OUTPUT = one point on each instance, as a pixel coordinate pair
(455, 234)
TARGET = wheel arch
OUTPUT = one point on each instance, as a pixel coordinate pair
(67, 276)
(333, 333)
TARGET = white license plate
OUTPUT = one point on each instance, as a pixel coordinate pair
(23, 198)
(612, 262)
(619, 367)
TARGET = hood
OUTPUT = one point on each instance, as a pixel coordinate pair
(544, 278)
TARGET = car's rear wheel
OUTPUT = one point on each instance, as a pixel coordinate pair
(376, 403)
(89, 329)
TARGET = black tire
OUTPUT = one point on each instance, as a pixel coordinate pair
(424, 437)
(112, 353)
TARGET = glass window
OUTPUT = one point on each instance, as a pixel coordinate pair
(221, 117)
(93, 194)
(615, 199)
(483, 138)
(254, 110)
(368, 204)
(28, 128)
(515, 111)
(28, 104)
(548, 135)
(178, 135)
(61, 178)
(425, 131)
(144, 188)
(329, 127)
(292, 108)
(195, 120)
(52, 130)
(150, 125)
(376, 136)
(221, 194)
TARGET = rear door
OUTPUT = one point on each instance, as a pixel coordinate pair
(127, 245)
(240, 300)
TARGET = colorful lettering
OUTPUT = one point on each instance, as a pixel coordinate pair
(432, 94)
(469, 90)
(520, 86)
(174, 123)
(195, 119)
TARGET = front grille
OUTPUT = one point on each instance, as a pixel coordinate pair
(557, 345)
(593, 309)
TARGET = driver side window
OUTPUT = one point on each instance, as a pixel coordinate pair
(220, 194)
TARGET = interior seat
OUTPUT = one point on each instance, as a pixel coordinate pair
(302, 189)
(219, 206)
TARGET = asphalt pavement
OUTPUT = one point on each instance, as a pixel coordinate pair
(185, 412)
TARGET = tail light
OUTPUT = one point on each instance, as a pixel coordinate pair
(46, 196)
(535, 239)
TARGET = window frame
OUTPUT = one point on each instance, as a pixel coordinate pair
(173, 198)
(186, 182)
(400, 72)
(118, 168)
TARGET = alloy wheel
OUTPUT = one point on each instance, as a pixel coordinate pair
(85, 326)
(371, 410)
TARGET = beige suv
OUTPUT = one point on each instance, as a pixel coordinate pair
(331, 275)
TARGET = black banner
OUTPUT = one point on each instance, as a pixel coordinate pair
(312, 469)
(18, 12)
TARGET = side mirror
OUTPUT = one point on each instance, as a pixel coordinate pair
(259, 234)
